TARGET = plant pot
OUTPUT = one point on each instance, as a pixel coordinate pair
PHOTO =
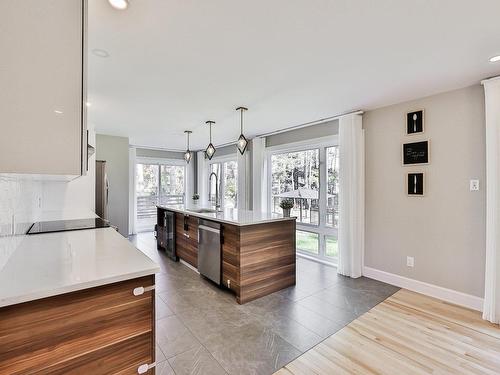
(286, 212)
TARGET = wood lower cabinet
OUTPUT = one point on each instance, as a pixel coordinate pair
(186, 238)
(102, 330)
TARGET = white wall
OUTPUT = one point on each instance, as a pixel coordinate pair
(445, 230)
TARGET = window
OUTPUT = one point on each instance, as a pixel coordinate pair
(307, 241)
(157, 183)
(332, 171)
(295, 175)
(308, 175)
(227, 180)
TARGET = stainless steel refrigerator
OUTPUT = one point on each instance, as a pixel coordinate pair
(101, 189)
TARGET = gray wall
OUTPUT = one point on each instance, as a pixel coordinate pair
(445, 230)
(149, 153)
(226, 150)
(310, 132)
(115, 151)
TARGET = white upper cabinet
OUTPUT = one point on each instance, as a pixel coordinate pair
(42, 90)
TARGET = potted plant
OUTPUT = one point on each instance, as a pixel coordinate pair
(286, 205)
(196, 197)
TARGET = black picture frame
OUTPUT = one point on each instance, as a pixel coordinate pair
(415, 184)
(416, 153)
(415, 122)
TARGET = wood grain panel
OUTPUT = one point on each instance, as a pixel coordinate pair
(48, 335)
(267, 259)
(186, 241)
(231, 257)
(408, 333)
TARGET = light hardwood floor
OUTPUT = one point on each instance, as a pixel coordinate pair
(408, 333)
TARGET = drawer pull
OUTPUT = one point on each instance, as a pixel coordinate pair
(140, 290)
(142, 369)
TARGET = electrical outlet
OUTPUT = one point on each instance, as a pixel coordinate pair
(474, 185)
(410, 261)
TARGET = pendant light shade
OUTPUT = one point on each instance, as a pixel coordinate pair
(210, 151)
(242, 141)
(188, 154)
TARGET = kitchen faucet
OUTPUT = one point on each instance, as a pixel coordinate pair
(217, 204)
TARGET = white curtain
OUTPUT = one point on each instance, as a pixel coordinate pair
(491, 308)
(351, 196)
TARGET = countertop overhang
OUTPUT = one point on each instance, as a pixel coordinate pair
(45, 265)
(230, 216)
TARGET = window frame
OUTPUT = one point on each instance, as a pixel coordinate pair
(321, 228)
(221, 160)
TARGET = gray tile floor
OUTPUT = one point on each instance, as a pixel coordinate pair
(202, 330)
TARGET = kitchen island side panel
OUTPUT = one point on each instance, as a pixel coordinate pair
(267, 259)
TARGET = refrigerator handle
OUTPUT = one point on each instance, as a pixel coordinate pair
(107, 192)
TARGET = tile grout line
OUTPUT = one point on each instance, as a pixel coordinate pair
(199, 340)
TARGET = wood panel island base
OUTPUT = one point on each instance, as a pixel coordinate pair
(258, 254)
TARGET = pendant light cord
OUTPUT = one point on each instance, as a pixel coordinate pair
(241, 122)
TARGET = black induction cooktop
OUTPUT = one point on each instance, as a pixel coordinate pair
(67, 225)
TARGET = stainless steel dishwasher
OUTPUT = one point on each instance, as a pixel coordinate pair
(209, 250)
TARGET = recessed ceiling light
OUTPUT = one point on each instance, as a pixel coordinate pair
(119, 4)
(495, 59)
(100, 52)
(58, 112)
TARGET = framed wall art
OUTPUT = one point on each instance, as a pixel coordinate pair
(416, 153)
(415, 122)
(415, 184)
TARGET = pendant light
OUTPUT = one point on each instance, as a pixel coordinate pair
(242, 141)
(210, 151)
(187, 154)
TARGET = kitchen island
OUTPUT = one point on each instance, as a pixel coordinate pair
(76, 302)
(257, 249)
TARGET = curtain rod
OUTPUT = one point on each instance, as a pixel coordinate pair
(156, 148)
(311, 123)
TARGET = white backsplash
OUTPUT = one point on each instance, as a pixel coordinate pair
(20, 204)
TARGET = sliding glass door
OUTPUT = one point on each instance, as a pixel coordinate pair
(157, 183)
(309, 177)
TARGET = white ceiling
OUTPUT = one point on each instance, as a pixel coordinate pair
(174, 64)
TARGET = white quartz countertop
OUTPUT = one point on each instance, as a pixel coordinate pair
(229, 215)
(44, 265)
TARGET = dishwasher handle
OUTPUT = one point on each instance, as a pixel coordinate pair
(210, 229)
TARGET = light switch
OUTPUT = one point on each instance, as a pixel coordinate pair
(474, 185)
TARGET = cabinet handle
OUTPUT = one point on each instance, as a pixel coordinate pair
(142, 369)
(186, 235)
(141, 289)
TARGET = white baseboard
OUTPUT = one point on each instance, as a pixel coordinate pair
(448, 295)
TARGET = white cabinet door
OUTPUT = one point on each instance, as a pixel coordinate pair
(42, 127)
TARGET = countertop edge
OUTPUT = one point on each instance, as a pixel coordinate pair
(75, 288)
(230, 222)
